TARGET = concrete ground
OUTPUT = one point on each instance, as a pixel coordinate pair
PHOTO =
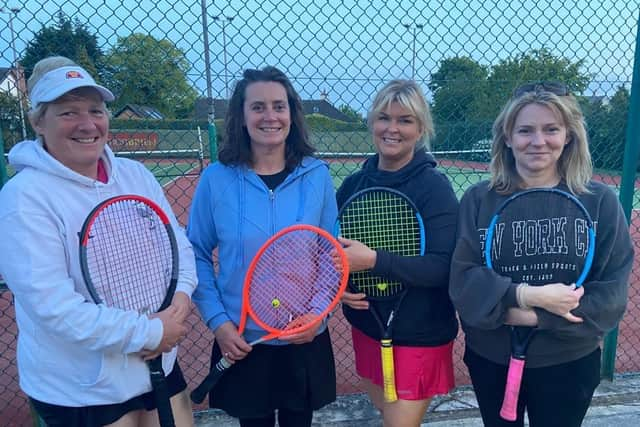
(615, 403)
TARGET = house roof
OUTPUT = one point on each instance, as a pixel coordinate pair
(142, 111)
(202, 108)
(4, 72)
(322, 106)
(311, 106)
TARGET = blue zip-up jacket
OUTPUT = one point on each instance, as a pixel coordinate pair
(234, 212)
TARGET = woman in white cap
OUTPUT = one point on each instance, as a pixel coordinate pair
(81, 364)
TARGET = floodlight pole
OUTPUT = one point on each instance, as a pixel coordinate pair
(225, 20)
(413, 27)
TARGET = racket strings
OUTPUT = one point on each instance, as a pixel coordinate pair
(129, 257)
(381, 220)
(295, 280)
(542, 237)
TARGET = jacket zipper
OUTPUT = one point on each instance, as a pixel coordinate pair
(272, 198)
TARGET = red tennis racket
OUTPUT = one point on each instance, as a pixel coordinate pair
(294, 281)
(129, 260)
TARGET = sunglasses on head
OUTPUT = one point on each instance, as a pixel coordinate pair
(557, 88)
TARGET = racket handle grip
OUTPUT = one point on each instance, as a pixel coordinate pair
(198, 394)
(161, 392)
(509, 410)
(388, 371)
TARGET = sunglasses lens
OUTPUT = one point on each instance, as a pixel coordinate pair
(556, 88)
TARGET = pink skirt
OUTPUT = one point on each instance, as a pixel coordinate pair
(420, 372)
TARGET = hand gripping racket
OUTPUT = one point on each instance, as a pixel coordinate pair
(129, 260)
(384, 219)
(537, 236)
(294, 281)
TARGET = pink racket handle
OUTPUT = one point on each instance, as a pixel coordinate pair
(509, 410)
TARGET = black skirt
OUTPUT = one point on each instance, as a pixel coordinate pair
(100, 415)
(294, 377)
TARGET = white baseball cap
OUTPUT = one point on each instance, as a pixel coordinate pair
(56, 83)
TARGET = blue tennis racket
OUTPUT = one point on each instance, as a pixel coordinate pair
(385, 219)
(537, 236)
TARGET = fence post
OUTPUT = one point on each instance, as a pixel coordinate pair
(3, 166)
(211, 127)
(213, 143)
(627, 187)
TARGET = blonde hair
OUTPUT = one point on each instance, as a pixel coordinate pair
(409, 96)
(41, 68)
(574, 165)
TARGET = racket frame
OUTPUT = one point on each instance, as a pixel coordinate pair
(521, 336)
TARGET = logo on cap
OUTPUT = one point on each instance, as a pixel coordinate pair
(74, 75)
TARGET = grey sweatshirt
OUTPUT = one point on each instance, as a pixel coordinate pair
(482, 297)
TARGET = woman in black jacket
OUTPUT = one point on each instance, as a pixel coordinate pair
(425, 325)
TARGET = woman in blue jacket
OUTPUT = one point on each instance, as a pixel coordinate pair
(265, 180)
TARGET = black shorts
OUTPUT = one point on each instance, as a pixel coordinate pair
(100, 415)
(295, 377)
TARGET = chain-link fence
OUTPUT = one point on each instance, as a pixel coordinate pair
(173, 63)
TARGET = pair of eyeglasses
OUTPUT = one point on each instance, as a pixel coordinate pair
(556, 88)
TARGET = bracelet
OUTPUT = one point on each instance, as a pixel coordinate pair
(520, 297)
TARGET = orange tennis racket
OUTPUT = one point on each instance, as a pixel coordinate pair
(295, 280)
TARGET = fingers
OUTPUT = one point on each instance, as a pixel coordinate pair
(572, 318)
(521, 317)
(232, 345)
(234, 353)
(181, 303)
(305, 319)
(302, 337)
(230, 358)
(355, 301)
(173, 329)
(149, 355)
(557, 298)
(345, 242)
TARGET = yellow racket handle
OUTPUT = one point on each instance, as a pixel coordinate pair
(388, 371)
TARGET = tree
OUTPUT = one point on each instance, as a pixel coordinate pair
(532, 66)
(459, 103)
(66, 38)
(10, 119)
(147, 71)
(607, 126)
(458, 89)
(353, 115)
(468, 96)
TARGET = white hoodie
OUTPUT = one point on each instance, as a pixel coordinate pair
(72, 352)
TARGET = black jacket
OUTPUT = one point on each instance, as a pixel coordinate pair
(426, 317)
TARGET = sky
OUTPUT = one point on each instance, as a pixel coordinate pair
(351, 48)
